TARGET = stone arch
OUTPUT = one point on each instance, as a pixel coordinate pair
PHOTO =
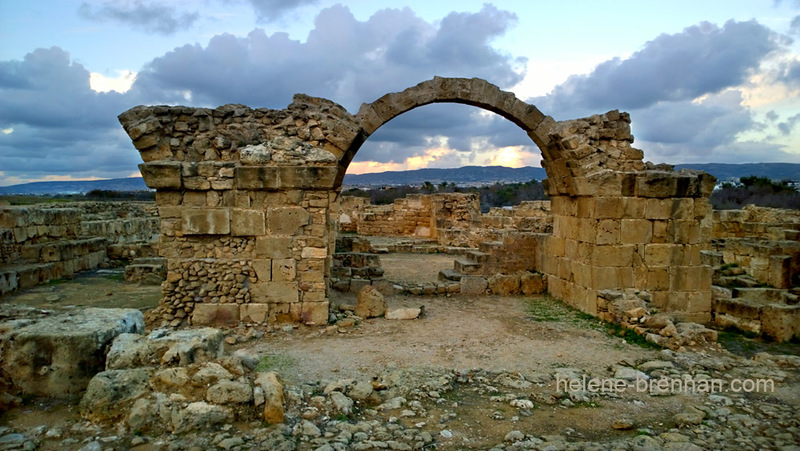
(469, 91)
(246, 196)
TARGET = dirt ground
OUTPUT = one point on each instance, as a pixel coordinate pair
(529, 336)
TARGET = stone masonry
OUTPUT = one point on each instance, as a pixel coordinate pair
(246, 199)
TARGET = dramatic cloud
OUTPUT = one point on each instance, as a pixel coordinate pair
(270, 10)
(702, 59)
(351, 62)
(684, 93)
(54, 123)
(789, 124)
(148, 16)
(343, 59)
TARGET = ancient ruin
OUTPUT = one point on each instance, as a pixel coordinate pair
(248, 201)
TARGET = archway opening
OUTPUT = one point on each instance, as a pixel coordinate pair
(439, 213)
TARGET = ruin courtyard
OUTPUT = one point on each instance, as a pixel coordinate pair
(254, 306)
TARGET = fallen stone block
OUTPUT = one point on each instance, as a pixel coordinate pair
(59, 355)
(175, 347)
(404, 313)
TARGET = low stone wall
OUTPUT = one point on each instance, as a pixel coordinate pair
(43, 242)
(757, 222)
(453, 219)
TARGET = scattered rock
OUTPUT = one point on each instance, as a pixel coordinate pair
(370, 303)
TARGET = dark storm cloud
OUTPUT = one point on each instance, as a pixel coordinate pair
(148, 16)
(60, 125)
(794, 27)
(702, 59)
(270, 10)
(789, 124)
(348, 61)
(660, 86)
(343, 59)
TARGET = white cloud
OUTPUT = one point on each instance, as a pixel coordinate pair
(121, 83)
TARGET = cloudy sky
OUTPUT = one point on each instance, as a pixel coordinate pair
(704, 81)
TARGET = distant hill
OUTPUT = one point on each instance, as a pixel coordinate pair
(483, 175)
(774, 171)
(76, 187)
(467, 175)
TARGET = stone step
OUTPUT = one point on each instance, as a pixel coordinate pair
(466, 266)
(456, 250)
(478, 256)
(489, 246)
(450, 274)
(150, 261)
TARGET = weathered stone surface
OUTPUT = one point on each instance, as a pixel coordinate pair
(229, 392)
(59, 355)
(404, 313)
(504, 284)
(109, 390)
(172, 347)
(201, 415)
(473, 285)
(370, 303)
(286, 220)
(274, 399)
(206, 221)
(219, 315)
(247, 222)
(532, 283)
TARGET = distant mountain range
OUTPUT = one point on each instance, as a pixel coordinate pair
(468, 175)
(76, 187)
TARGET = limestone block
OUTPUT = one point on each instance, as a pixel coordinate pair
(206, 221)
(286, 220)
(780, 322)
(636, 231)
(532, 283)
(311, 313)
(161, 175)
(274, 247)
(621, 255)
(58, 355)
(284, 270)
(253, 313)
(274, 292)
(307, 177)
(658, 209)
(196, 183)
(608, 207)
(608, 231)
(222, 315)
(633, 207)
(370, 303)
(257, 177)
(504, 284)
(194, 198)
(274, 399)
(658, 254)
(314, 252)
(247, 222)
(263, 269)
(473, 285)
(109, 390)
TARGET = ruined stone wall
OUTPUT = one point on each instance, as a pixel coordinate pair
(244, 198)
(267, 181)
(634, 226)
(417, 215)
(765, 242)
(41, 243)
(757, 223)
